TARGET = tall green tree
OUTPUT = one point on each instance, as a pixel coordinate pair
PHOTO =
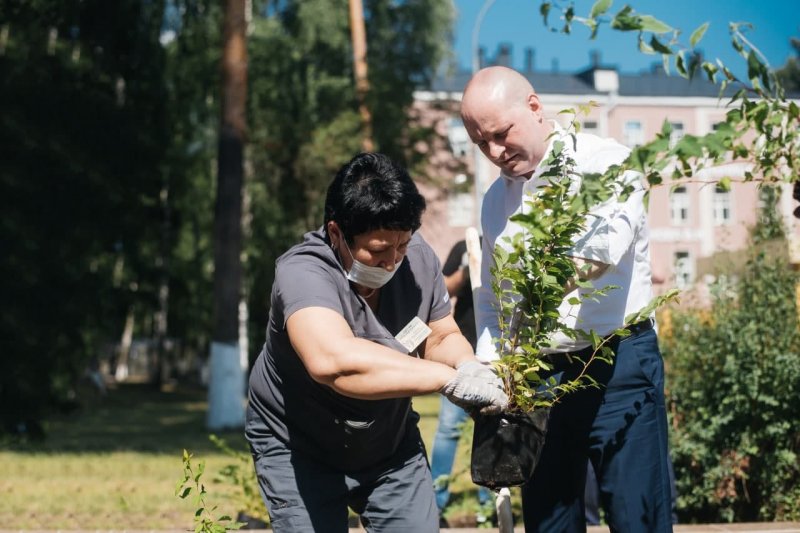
(109, 119)
(110, 114)
(81, 110)
(304, 111)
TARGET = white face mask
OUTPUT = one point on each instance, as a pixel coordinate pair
(369, 276)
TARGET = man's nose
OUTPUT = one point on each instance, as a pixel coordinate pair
(495, 150)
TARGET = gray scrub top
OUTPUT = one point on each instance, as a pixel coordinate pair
(285, 402)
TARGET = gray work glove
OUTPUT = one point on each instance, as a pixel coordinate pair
(476, 387)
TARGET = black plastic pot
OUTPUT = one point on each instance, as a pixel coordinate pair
(506, 448)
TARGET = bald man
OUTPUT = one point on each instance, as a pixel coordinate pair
(620, 427)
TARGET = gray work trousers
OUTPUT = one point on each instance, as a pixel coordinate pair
(304, 495)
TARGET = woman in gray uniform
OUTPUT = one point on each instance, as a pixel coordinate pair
(359, 322)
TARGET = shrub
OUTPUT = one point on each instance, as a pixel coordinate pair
(733, 379)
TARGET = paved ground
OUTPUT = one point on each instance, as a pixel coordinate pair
(770, 527)
(761, 527)
(755, 527)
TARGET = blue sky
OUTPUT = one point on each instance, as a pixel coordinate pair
(518, 22)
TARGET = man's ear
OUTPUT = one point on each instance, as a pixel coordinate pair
(534, 104)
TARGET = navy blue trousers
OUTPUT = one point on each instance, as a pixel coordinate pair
(621, 427)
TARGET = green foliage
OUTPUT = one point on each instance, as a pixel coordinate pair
(242, 475)
(769, 225)
(406, 44)
(190, 71)
(303, 112)
(204, 519)
(789, 74)
(108, 172)
(82, 123)
(733, 374)
(531, 270)
(757, 105)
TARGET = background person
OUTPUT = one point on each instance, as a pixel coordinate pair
(451, 416)
(329, 420)
(620, 426)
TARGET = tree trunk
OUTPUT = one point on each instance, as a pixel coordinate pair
(121, 370)
(161, 362)
(226, 390)
(359, 38)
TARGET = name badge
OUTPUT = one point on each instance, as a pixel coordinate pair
(413, 334)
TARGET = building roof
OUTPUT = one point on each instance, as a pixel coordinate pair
(654, 82)
(647, 83)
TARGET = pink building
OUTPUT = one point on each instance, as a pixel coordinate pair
(689, 224)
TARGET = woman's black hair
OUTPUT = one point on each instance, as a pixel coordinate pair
(372, 192)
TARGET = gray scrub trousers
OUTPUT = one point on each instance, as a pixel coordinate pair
(306, 495)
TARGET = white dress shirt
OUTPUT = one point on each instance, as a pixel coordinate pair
(616, 235)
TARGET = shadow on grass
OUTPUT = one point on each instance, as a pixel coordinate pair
(134, 417)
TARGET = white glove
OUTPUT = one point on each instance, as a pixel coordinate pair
(476, 386)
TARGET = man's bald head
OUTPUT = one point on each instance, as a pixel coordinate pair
(503, 116)
(500, 85)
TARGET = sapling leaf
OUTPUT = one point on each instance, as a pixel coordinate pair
(698, 34)
(680, 65)
(599, 8)
(544, 9)
(652, 24)
(658, 46)
(626, 21)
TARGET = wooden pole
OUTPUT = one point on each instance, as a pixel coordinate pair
(359, 39)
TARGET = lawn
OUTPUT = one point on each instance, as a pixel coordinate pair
(114, 464)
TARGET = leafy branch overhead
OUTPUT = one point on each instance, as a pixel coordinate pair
(757, 106)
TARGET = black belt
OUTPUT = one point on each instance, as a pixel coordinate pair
(640, 327)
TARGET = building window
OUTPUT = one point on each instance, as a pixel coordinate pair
(684, 270)
(679, 206)
(461, 209)
(676, 134)
(457, 137)
(590, 126)
(722, 206)
(633, 133)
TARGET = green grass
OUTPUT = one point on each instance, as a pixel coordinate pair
(114, 464)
